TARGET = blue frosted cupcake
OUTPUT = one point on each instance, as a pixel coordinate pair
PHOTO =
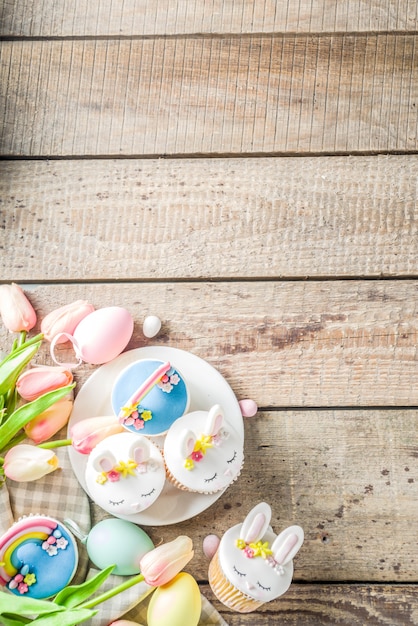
(148, 396)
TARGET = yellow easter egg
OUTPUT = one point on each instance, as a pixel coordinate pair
(177, 603)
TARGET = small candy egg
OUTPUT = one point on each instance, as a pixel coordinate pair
(151, 326)
(118, 542)
(103, 334)
(248, 408)
(177, 603)
(210, 545)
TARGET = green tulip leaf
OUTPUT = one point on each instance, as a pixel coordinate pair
(19, 606)
(71, 617)
(27, 412)
(74, 595)
(12, 365)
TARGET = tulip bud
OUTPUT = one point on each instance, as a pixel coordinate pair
(49, 422)
(25, 463)
(39, 380)
(88, 433)
(65, 320)
(16, 311)
(160, 565)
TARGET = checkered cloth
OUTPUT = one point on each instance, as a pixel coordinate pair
(59, 495)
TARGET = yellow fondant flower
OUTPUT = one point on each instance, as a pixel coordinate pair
(127, 410)
(261, 549)
(146, 415)
(30, 579)
(188, 464)
(240, 543)
(101, 478)
(126, 468)
(203, 444)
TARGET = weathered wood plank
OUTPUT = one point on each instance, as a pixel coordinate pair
(327, 605)
(250, 94)
(347, 477)
(210, 218)
(172, 17)
(337, 343)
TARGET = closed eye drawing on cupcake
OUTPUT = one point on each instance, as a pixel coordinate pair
(203, 452)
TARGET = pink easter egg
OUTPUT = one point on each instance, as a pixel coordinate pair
(103, 334)
(210, 545)
(248, 407)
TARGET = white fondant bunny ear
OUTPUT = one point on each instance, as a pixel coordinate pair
(187, 442)
(256, 523)
(140, 450)
(287, 544)
(214, 420)
(104, 461)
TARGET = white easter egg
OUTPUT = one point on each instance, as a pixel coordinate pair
(103, 334)
(151, 326)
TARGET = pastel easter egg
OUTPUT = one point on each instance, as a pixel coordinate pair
(151, 326)
(210, 545)
(248, 407)
(103, 334)
(118, 542)
(177, 603)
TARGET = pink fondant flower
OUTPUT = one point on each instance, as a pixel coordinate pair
(197, 455)
(15, 309)
(113, 476)
(22, 588)
(175, 379)
(138, 424)
(249, 552)
(62, 543)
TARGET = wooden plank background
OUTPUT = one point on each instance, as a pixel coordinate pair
(246, 170)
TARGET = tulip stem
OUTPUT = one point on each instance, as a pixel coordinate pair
(48, 445)
(112, 592)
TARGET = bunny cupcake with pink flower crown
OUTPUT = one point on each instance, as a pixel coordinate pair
(252, 565)
(202, 452)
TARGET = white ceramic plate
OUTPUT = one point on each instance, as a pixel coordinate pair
(207, 387)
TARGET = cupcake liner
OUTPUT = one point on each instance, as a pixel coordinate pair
(225, 591)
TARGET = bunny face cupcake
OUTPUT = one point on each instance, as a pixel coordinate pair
(253, 565)
(125, 474)
(202, 452)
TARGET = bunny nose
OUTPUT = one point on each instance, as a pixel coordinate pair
(250, 585)
(228, 472)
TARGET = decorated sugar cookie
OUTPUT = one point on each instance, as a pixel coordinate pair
(253, 565)
(38, 557)
(203, 452)
(125, 474)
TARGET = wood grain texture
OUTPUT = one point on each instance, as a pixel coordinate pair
(342, 343)
(246, 95)
(328, 605)
(347, 477)
(210, 218)
(29, 18)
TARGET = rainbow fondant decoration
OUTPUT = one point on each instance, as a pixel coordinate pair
(38, 557)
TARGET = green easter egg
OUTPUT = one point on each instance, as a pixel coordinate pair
(118, 542)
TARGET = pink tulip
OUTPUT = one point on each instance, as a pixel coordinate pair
(25, 463)
(16, 311)
(65, 320)
(160, 565)
(49, 422)
(88, 433)
(39, 380)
